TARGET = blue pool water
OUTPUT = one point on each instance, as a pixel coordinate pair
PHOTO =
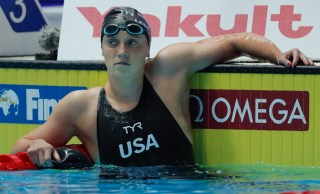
(258, 178)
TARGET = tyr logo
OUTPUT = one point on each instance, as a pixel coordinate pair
(136, 125)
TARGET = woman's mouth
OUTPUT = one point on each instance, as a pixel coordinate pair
(121, 63)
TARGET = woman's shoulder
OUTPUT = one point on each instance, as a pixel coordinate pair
(82, 98)
(87, 93)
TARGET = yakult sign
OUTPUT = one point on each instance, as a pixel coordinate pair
(250, 109)
(174, 22)
(288, 23)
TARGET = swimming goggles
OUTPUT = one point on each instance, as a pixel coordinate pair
(112, 29)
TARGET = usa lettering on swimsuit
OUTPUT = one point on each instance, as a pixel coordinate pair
(139, 144)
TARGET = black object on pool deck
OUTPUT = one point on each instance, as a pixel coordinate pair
(72, 159)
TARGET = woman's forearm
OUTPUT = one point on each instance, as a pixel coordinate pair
(257, 46)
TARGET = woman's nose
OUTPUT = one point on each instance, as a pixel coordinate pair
(122, 51)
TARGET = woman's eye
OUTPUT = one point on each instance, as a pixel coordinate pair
(133, 42)
(112, 42)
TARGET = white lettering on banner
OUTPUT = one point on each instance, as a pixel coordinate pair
(296, 108)
(242, 114)
(23, 7)
(31, 104)
(296, 112)
(223, 100)
(280, 112)
(20, 23)
(299, 116)
(199, 118)
(34, 102)
(138, 143)
(259, 110)
(249, 109)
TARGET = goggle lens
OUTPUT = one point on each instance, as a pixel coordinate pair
(113, 29)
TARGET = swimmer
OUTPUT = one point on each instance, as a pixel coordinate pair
(140, 117)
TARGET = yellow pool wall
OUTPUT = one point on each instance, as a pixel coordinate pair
(211, 146)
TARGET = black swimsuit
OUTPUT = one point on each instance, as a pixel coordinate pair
(147, 135)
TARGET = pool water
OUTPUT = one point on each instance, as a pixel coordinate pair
(260, 178)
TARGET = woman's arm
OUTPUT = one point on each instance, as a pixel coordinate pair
(199, 55)
(56, 131)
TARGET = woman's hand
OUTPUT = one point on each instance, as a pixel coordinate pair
(294, 57)
(41, 153)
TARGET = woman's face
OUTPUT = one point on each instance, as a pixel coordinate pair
(125, 53)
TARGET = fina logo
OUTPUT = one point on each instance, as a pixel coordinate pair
(30, 104)
(9, 103)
